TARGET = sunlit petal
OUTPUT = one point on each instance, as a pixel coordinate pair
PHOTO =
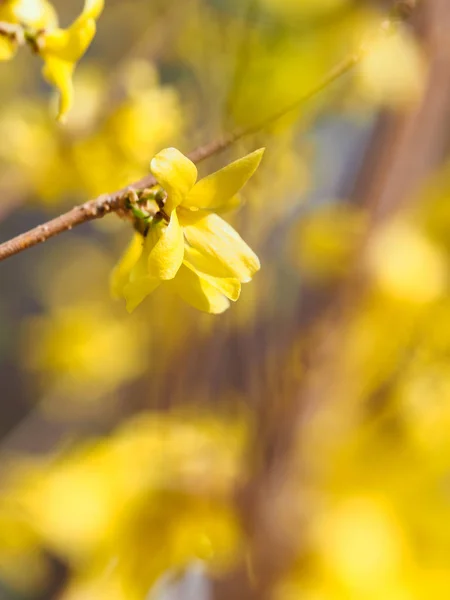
(198, 291)
(38, 14)
(205, 263)
(230, 286)
(176, 173)
(121, 273)
(140, 283)
(165, 246)
(215, 238)
(218, 189)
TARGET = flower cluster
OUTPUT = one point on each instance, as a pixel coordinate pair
(36, 22)
(183, 243)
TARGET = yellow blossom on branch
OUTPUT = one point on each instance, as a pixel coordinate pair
(184, 243)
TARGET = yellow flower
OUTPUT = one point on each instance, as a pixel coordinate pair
(36, 14)
(193, 250)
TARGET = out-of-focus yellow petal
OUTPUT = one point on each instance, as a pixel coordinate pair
(197, 291)
(165, 246)
(59, 73)
(121, 273)
(215, 238)
(393, 71)
(92, 9)
(7, 48)
(38, 14)
(219, 188)
(62, 48)
(176, 173)
(68, 44)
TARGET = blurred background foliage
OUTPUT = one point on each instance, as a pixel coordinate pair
(302, 438)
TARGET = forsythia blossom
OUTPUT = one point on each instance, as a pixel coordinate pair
(185, 244)
(60, 48)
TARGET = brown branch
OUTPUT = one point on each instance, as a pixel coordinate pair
(108, 203)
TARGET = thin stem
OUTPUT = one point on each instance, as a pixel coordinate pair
(115, 202)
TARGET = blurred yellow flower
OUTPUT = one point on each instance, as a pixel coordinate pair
(392, 72)
(62, 48)
(406, 265)
(161, 483)
(72, 338)
(32, 13)
(363, 546)
(185, 244)
(37, 14)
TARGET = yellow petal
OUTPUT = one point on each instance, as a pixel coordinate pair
(140, 283)
(218, 189)
(165, 246)
(228, 286)
(68, 44)
(230, 205)
(176, 173)
(38, 14)
(205, 263)
(121, 273)
(136, 291)
(215, 238)
(92, 9)
(212, 272)
(59, 73)
(198, 292)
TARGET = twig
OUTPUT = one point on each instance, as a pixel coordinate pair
(108, 203)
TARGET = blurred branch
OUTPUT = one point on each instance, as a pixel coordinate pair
(12, 32)
(407, 146)
(411, 145)
(242, 58)
(116, 202)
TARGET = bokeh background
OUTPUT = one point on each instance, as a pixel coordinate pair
(297, 446)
